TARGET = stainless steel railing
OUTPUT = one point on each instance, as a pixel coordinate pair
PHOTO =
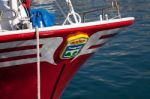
(104, 12)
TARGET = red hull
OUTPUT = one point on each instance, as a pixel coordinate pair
(18, 70)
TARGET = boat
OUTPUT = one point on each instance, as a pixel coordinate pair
(38, 56)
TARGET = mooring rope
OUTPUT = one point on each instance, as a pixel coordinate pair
(38, 64)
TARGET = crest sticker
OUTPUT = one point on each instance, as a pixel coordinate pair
(74, 45)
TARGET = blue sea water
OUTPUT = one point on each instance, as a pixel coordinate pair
(121, 69)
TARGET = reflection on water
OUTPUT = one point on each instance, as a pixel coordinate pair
(121, 69)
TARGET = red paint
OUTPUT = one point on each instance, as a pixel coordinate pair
(62, 32)
(107, 36)
(96, 46)
(27, 4)
(20, 82)
(18, 58)
(19, 48)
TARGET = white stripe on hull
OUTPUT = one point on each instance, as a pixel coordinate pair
(18, 62)
(48, 49)
(17, 53)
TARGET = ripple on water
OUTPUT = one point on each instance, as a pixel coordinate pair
(121, 69)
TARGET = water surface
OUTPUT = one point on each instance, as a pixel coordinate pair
(121, 69)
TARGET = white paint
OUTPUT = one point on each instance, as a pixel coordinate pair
(17, 53)
(14, 6)
(19, 44)
(95, 40)
(47, 51)
(50, 45)
(72, 26)
(49, 48)
(17, 62)
(5, 24)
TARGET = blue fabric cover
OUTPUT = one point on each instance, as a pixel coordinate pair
(41, 18)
